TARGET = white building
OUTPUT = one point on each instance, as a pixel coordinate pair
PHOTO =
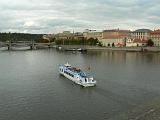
(135, 43)
(92, 34)
(141, 34)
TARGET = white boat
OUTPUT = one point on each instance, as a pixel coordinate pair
(76, 75)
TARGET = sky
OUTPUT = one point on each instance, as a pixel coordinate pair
(53, 16)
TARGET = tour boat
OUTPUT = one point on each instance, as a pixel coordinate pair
(76, 49)
(76, 75)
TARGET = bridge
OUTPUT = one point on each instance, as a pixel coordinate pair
(33, 45)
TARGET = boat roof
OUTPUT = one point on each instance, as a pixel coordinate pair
(74, 69)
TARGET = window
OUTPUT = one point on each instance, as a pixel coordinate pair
(85, 80)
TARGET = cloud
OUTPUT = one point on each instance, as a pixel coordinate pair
(48, 16)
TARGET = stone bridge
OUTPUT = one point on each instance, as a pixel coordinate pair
(32, 44)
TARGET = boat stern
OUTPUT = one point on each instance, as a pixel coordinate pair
(88, 82)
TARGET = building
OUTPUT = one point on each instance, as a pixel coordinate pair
(155, 36)
(78, 36)
(92, 34)
(141, 34)
(135, 43)
(115, 37)
(67, 35)
(48, 37)
(138, 38)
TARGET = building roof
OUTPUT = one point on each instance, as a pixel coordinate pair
(155, 32)
(143, 30)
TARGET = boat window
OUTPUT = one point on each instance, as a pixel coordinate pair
(82, 74)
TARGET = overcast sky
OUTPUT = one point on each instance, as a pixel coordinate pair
(49, 16)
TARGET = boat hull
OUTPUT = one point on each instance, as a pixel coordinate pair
(77, 81)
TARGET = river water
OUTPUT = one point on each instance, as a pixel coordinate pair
(32, 89)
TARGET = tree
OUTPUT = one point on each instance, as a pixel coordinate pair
(100, 43)
(109, 45)
(150, 43)
(125, 41)
(113, 45)
(20, 37)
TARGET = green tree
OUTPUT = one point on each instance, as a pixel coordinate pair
(113, 45)
(20, 37)
(150, 43)
(92, 41)
(83, 41)
(125, 40)
(100, 43)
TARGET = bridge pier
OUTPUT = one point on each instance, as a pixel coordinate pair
(33, 47)
(49, 46)
(9, 46)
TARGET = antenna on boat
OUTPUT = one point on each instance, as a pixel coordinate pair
(67, 64)
(89, 68)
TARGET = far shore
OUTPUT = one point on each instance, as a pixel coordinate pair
(127, 49)
(92, 48)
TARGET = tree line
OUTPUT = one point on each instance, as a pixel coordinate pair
(4, 37)
(20, 37)
(39, 38)
(84, 41)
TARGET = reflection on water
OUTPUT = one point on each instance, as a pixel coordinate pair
(31, 87)
(124, 57)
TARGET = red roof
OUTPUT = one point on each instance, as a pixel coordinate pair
(155, 32)
(120, 44)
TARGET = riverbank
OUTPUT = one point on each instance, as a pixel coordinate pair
(149, 111)
(91, 48)
(127, 49)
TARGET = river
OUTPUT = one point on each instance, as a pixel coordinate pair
(32, 89)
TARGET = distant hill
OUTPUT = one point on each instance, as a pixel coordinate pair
(21, 37)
